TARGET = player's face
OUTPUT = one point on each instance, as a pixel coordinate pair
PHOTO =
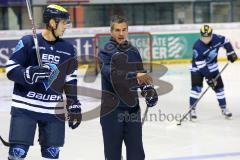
(62, 26)
(206, 40)
(120, 32)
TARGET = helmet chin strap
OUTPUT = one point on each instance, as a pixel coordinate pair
(53, 31)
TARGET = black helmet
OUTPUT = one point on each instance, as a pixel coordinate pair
(206, 31)
(55, 12)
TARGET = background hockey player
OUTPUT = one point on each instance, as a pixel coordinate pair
(32, 103)
(204, 65)
(121, 70)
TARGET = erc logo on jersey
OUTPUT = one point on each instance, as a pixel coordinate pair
(48, 58)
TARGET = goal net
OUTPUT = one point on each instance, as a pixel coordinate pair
(141, 40)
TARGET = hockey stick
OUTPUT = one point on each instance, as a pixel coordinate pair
(53, 68)
(5, 143)
(34, 32)
(144, 116)
(191, 107)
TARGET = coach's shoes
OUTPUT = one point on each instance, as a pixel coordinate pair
(226, 113)
(193, 114)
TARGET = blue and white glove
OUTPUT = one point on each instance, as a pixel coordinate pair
(36, 74)
(74, 114)
(150, 94)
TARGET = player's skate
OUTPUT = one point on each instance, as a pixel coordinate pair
(226, 113)
(193, 114)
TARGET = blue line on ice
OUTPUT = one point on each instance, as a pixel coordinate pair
(202, 157)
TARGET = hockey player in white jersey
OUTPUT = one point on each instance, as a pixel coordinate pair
(33, 102)
(204, 65)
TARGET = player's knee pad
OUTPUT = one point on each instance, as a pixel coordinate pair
(50, 152)
(18, 151)
(219, 90)
(198, 89)
(195, 92)
(220, 93)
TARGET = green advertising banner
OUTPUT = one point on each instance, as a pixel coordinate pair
(139, 40)
(164, 46)
(173, 46)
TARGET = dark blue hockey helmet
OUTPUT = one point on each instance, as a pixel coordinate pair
(55, 12)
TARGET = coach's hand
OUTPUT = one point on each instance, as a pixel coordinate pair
(144, 79)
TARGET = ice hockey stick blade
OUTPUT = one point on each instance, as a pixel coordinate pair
(5, 143)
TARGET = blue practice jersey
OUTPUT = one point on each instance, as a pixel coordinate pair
(35, 97)
(134, 60)
(204, 59)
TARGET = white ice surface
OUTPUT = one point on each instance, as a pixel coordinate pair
(211, 137)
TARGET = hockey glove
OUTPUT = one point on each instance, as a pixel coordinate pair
(74, 115)
(212, 83)
(36, 74)
(150, 95)
(232, 57)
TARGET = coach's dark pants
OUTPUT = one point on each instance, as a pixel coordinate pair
(123, 124)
